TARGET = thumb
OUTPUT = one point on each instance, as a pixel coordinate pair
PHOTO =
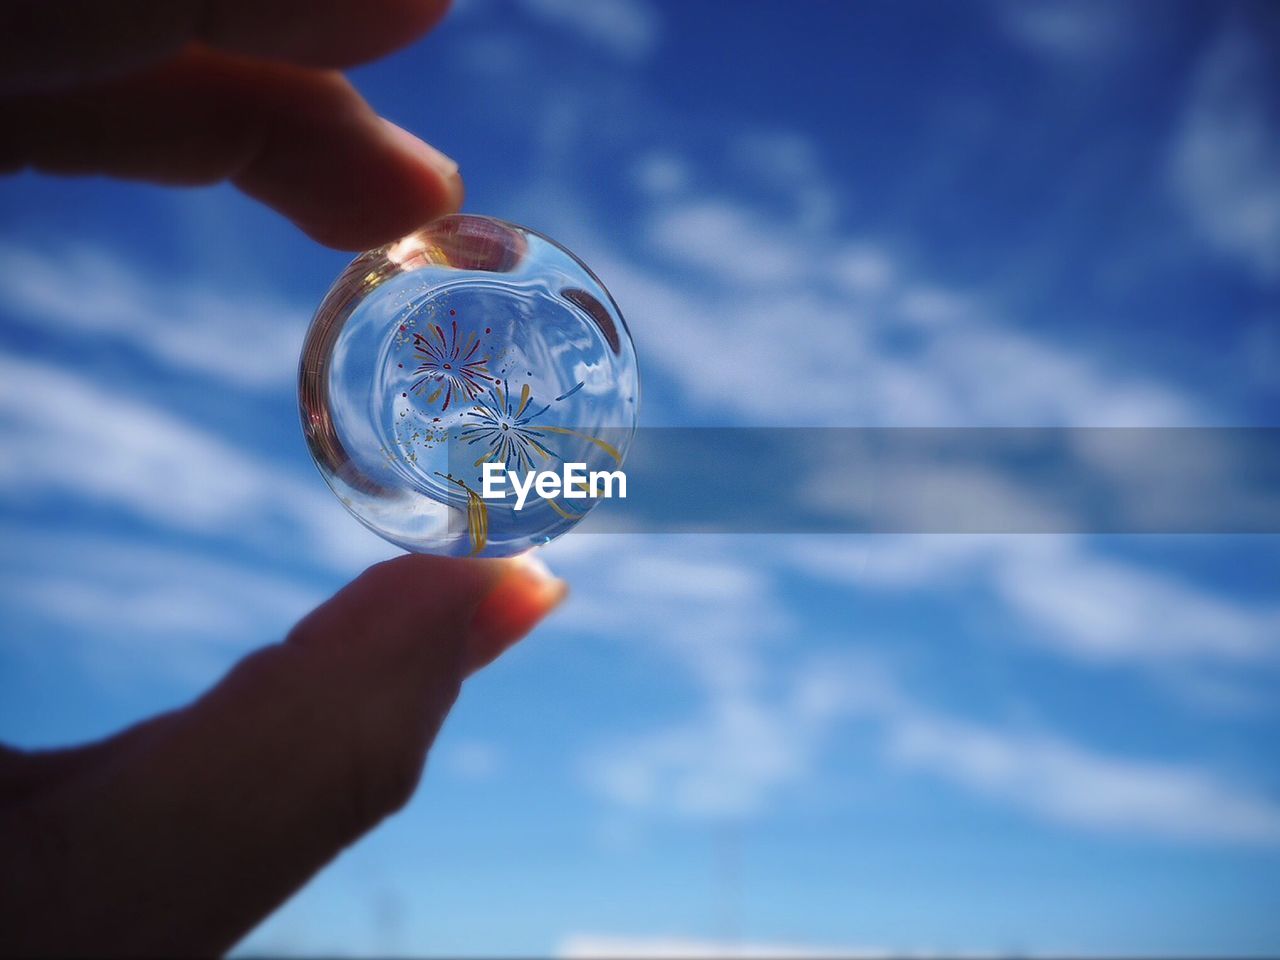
(179, 835)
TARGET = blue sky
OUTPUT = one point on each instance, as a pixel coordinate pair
(986, 214)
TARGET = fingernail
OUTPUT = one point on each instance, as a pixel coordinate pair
(443, 164)
(525, 593)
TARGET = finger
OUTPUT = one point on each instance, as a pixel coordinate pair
(301, 141)
(513, 608)
(201, 822)
(46, 44)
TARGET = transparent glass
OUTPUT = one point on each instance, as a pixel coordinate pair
(470, 341)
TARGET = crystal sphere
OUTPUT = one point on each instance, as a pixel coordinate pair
(470, 342)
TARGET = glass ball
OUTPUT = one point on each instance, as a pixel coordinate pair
(470, 342)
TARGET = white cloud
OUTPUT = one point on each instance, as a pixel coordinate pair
(661, 174)
(88, 294)
(936, 495)
(862, 269)
(706, 605)
(469, 760)
(750, 244)
(789, 165)
(1105, 610)
(628, 29)
(779, 156)
(678, 578)
(1044, 774)
(1068, 31)
(927, 305)
(776, 345)
(764, 722)
(128, 606)
(727, 240)
(68, 434)
(763, 726)
(692, 598)
(724, 763)
(178, 605)
(65, 435)
(1225, 160)
(779, 320)
(1069, 598)
(1061, 781)
(785, 322)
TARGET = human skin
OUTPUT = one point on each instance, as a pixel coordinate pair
(178, 835)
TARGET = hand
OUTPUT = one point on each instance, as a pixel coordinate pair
(179, 835)
(197, 91)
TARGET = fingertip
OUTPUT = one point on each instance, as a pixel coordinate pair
(432, 161)
(454, 610)
(367, 184)
(523, 596)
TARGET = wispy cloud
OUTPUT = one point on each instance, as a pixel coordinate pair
(904, 352)
(628, 29)
(727, 761)
(87, 293)
(789, 166)
(1048, 775)
(727, 240)
(752, 309)
(69, 437)
(467, 760)
(127, 606)
(1064, 782)
(842, 328)
(1069, 597)
(864, 269)
(1225, 160)
(660, 173)
(1069, 31)
(710, 608)
(1106, 610)
(763, 724)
